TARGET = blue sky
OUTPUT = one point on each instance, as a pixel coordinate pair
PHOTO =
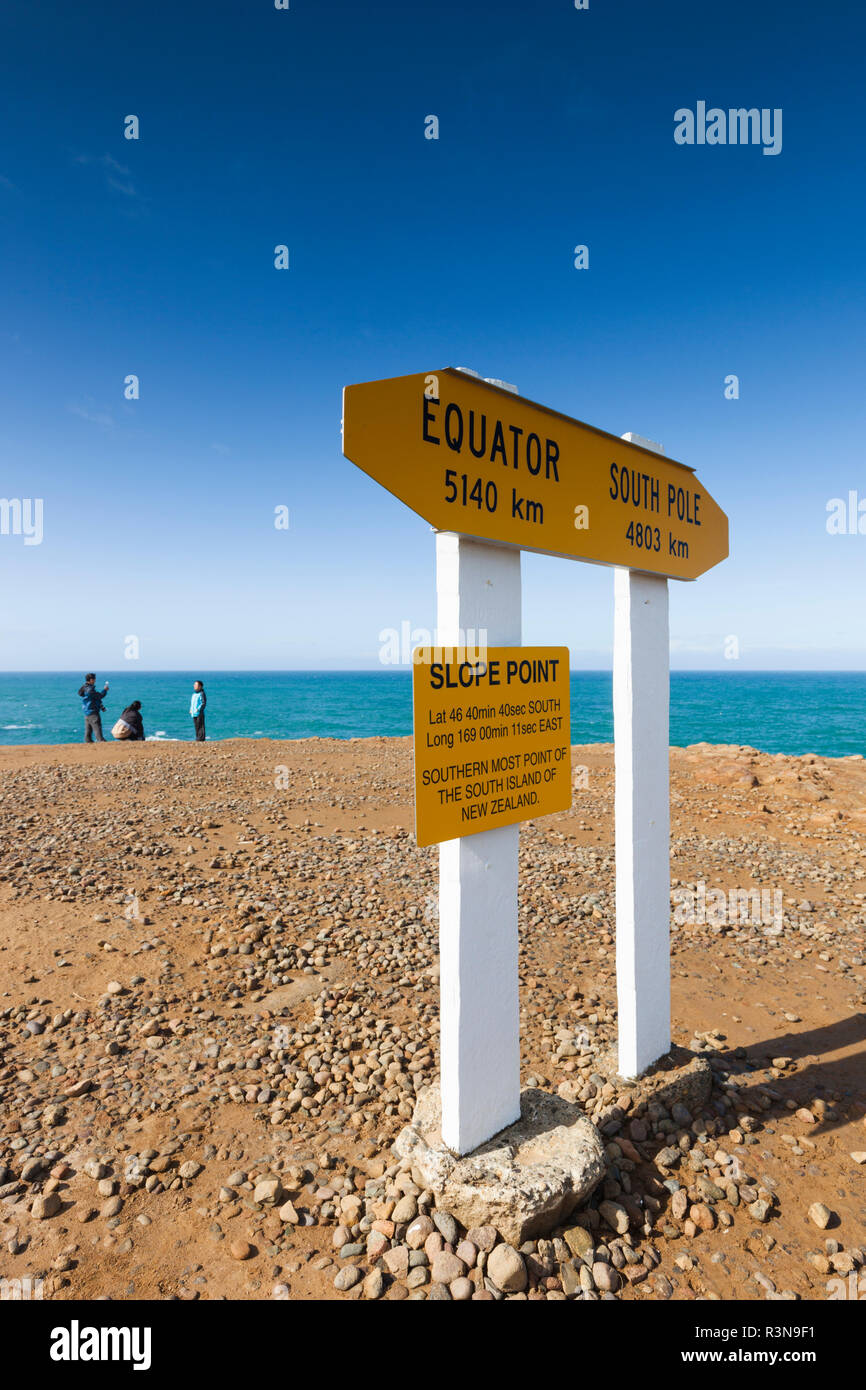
(306, 127)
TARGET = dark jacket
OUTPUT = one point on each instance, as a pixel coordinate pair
(91, 698)
(132, 717)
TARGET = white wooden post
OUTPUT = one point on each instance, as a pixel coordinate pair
(478, 589)
(641, 680)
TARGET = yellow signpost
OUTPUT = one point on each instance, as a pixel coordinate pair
(492, 738)
(473, 458)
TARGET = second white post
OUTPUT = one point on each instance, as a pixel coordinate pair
(478, 591)
(641, 700)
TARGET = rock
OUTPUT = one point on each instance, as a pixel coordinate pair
(190, 1169)
(433, 1244)
(446, 1225)
(569, 1274)
(77, 1088)
(348, 1277)
(524, 1181)
(806, 1116)
(112, 1207)
(445, 1268)
(506, 1267)
(377, 1244)
(396, 1261)
(241, 1250)
(269, 1192)
(702, 1216)
(668, 1157)
(374, 1284)
(461, 1289)
(760, 1209)
(483, 1237)
(405, 1210)
(821, 1215)
(859, 1155)
(349, 1252)
(679, 1204)
(604, 1277)
(466, 1252)
(615, 1216)
(45, 1206)
(288, 1214)
(579, 1241)
(418, 1231)
(680, 1114)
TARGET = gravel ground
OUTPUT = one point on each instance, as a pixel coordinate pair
(218, 999)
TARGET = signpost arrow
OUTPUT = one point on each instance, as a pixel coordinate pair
(472, 458)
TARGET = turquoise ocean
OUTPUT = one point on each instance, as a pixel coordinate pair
(787, 712)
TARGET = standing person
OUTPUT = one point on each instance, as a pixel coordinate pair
(129, 725)
(196, 709)
(91, 701)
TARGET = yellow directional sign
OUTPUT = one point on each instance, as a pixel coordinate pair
(492, 738)
(474, 458)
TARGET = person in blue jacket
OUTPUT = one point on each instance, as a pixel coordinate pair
(91, 701)
(196, 709)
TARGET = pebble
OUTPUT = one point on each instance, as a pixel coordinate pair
(506, 1268)
(374, 1284)
(446, 1225)
(445, 1268)
(396, 1261)
(615, 1215)
(578, 1240)
(418, 1231)
(405, 1210)
(760, 1209)
(348, 1277)
(821, 1215)
(461, 1290)
(483, 1237)
(45, 1206)
(241, 1250)
(604, 1277)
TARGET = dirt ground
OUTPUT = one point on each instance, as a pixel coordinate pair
(177, 919)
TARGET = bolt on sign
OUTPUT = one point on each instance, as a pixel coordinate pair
(492, 738)
(473, 458)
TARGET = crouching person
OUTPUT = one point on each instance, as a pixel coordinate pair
(129, 725)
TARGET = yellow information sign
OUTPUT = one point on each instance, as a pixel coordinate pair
(492, 738)
(476, 459)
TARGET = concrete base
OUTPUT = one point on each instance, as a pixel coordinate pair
(679, 1077)
(524, 1181)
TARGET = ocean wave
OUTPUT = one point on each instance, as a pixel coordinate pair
(19, 726)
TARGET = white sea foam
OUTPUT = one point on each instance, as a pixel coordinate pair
(19, 726)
